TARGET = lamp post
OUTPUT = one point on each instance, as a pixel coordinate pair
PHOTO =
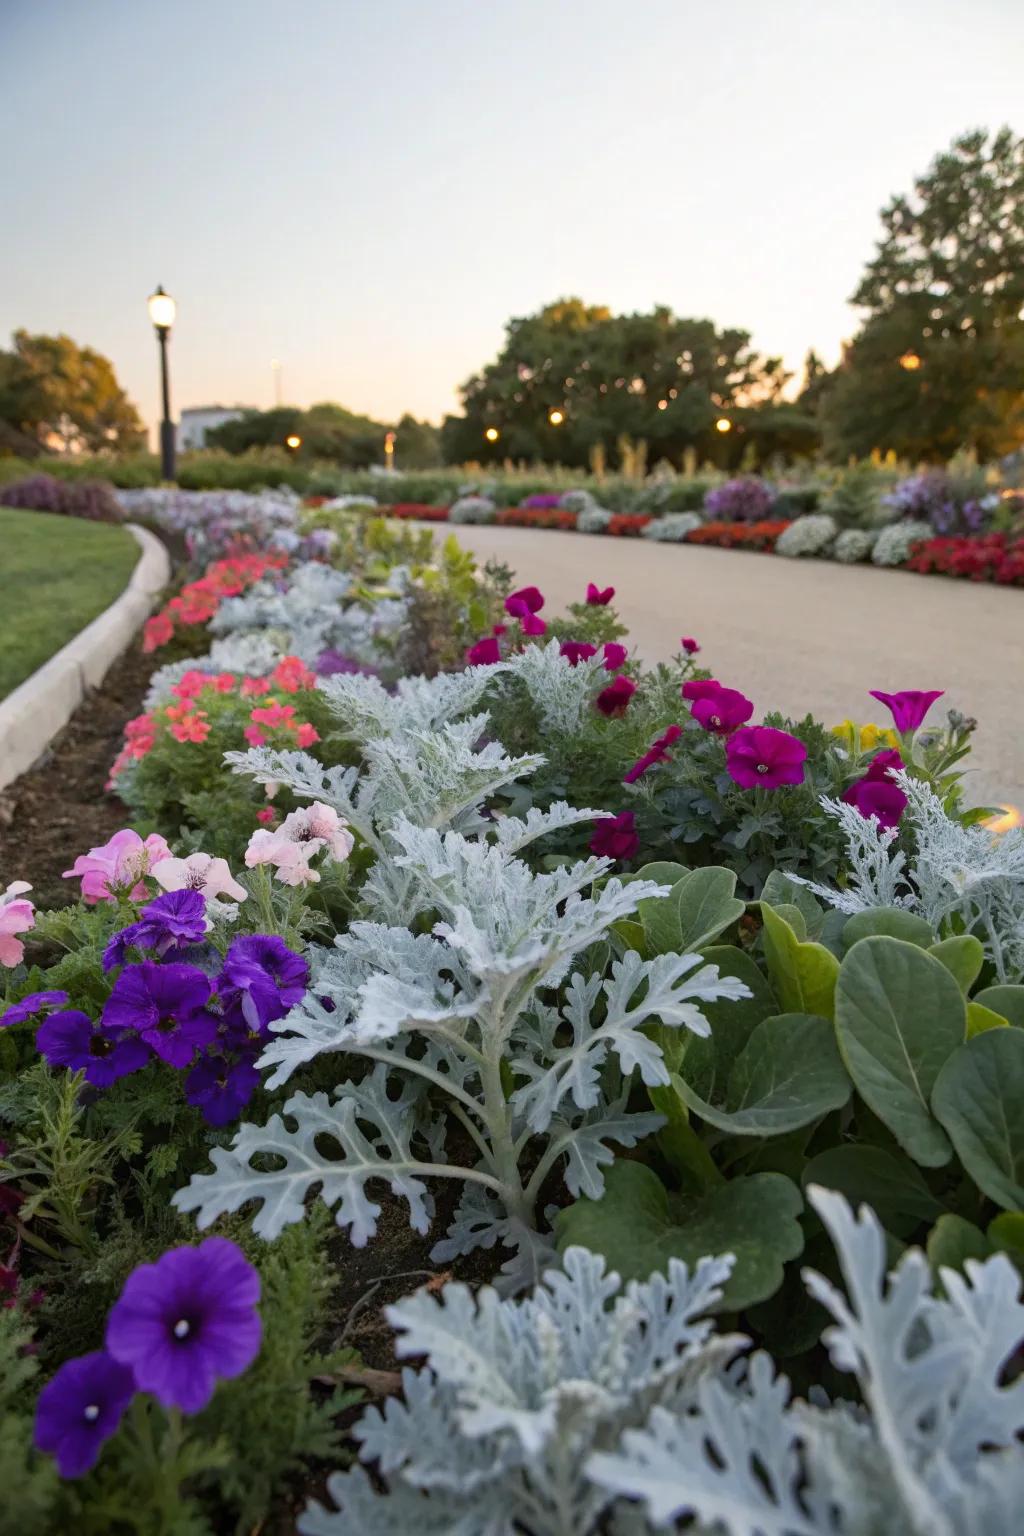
(161, 311)
(389, 452)
(293, 442)
(492, 434)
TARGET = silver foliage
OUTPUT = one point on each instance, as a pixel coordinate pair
(561, 693)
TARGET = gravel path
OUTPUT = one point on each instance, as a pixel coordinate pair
(804, 635)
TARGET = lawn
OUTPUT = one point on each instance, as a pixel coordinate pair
(56, 575)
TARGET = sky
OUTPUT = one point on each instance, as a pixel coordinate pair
(367, 192)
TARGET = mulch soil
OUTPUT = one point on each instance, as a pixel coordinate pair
(60, 808)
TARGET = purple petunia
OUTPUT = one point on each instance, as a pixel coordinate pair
(616, 837)
(908, 708)
(261, 979)
(186, 1321)
(170, 922)
(760, 756)
(35, 1002)
(166, 1006)
(81, 1408)
(221, 1087)
(73, 1040)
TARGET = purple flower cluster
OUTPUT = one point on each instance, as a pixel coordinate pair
(330, 663)
(743, 500)
(179, 1326)
(543, 501)
(926, 497)
(173, 1012)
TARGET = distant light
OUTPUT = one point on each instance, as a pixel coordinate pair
(662, 405)
(293, 441)
(556, 417)
(1008, 818)
(723, 424)
(910, 361)
(162, 309)
(492, 434)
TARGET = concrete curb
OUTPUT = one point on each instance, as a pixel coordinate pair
(43, 704)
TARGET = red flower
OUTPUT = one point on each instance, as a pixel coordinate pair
(616, 836)
(576, 651)
(599, 597)
(613, 700)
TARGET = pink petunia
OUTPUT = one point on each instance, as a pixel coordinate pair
(289, 859)
(307, 734)
(199, 872)
(16, 916)
(117, 865)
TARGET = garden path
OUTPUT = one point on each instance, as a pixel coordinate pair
(804, 635)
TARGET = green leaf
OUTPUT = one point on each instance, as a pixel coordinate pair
(1006, 1232)
(891, 921)
(803, 975)
(888, 1182)
(963, 957)
(680, 1144)
(780, 891)
(699, 907)
(788, 1074)
(661, 871)
(953, 1240)
(979, 1098)
(709, 1060)
(980, 1018)
(793, 916)
(638, 1225)
(1004, 1000)
(899, 1016)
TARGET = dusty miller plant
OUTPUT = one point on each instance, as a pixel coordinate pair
(462, 1027)
(959, 879)
(586, 1407)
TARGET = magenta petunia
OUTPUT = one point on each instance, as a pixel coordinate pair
(187, 1321)
(722, 711)
(80, 1408)
(614, 699)
(616, 837)
(71, 1039)
(700, 688)
(576, 651)
(529, 598)
(599, 597)
(166, 1006)
(689, 645)
(615, 656)
(908, 708)
(759, 755)
(657, 752)
(882, 763)
(484, 653)
(874, 797)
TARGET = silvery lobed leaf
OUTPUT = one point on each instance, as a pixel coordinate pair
(362, 1511)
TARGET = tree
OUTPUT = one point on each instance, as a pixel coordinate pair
(939, 361)
(651, 377)
(66, 397)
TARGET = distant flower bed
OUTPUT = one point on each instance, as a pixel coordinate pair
(761, 535)
(993, 557)
(536, 517)
(627, 525)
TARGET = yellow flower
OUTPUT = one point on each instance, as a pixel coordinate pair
(872, 736)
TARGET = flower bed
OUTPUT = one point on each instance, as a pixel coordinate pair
(993, 557)
(662, 986)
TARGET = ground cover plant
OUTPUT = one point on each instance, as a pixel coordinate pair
(56, 577)
(618, 1033)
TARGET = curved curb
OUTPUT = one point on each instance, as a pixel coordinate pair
(43, 704)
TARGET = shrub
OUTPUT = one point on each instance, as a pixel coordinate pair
(854, 544)
(578, 501)
(672, 528)
(91, 499)
(472, 509)
(593, 520)
(896, 542)
(686, 494)
(743, 500)
(855, 500)
(795, 500)
(810, 535)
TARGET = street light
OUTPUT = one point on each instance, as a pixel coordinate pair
(492, 434)
(723, 424)
(389, 451)
(910, 361)
(293, 442)
(556, 417)
(161, 311)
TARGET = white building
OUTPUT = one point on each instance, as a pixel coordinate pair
(200, 419)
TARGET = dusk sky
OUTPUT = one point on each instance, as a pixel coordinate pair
(368, 192)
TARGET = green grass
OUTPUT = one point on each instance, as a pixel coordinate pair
(56, 575)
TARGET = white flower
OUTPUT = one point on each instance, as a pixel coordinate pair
(199, 872)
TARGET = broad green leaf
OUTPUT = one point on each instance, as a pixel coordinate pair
(638, 1225)
(632, 935)
(963, 957)
(899, 1016)
(788, 1074)
(661, 871)
(793, 916)
(979, 1098)
(892, 921)
(1008, 1001)
(953, 1240)
(709, 1059)
(803, 975)
(779, 890)
(700, 906)
(888, 1182)
(687, 1155)
(980, 1018)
